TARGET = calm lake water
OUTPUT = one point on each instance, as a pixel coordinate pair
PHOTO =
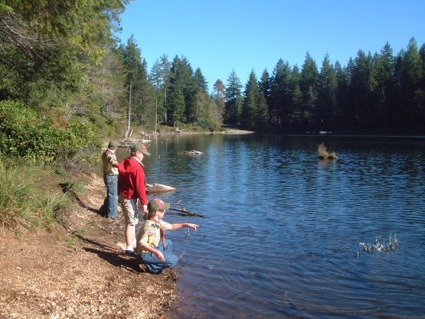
(290, 236)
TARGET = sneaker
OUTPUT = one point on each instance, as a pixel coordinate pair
(130, 253)
(143, 268)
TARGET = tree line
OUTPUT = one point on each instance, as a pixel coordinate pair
(64, 61)
(381, 94)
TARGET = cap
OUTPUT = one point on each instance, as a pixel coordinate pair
(140, 148)
(157, 204)
(112, 144)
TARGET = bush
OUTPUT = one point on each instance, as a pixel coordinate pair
(25, 132)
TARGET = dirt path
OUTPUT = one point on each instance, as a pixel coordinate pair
(77, 270)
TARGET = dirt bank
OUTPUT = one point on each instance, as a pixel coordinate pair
(77, 270)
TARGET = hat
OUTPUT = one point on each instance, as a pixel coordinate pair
(157, 204)
(112, 144)
(140, 148)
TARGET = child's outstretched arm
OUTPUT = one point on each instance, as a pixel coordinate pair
(182, 225)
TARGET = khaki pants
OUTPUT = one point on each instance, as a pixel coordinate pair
(129, 209)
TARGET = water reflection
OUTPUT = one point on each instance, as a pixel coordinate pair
(284, 229)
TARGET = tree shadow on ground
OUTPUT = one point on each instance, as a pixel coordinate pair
(67, 188)
(116, 259)
(109, 254)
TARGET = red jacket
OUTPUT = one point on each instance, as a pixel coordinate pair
(132, 180)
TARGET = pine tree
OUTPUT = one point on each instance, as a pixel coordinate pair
(385, 87)
(410, 80)
(52, 46)
(265, 85)
(160, 76)
(308, 86)
(250, 107)
(280, 94)
(181, 106)
(142, 101)
(325, 114)
(342, 96)
(200, 80)
(200, 101)
(297, 121)
(233, 99)
(362, 87)
(219, 98)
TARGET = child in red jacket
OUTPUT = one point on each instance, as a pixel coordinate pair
(132, 187)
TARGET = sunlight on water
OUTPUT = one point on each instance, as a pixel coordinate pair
(391, 244)
(290, 236)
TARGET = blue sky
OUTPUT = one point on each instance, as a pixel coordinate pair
(243, 35)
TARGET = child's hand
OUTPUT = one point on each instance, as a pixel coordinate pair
(159, 255)
(193, 226)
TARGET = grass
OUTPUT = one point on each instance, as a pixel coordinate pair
(93, 224)
(29, 195)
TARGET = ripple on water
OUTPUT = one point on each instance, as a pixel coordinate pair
(283, 233)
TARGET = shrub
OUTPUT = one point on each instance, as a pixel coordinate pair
(25, 132)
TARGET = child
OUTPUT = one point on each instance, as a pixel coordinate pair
(132, 187)
(155, 250)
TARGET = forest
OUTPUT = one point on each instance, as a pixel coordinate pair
(66, 78)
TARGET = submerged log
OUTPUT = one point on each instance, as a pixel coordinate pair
(192, 152)
(324, 153)
(159, 188)
(185, 212)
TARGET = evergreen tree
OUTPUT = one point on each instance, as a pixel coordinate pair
(411, 94)
(140, 90)
(308, 86)
(200, 80)
(233, 99)
(177, 106)
(420, 97)
(200, 101)
(160, 76)
(296, 117)
(265, 85)
(385, 86)
(250, 107)
(324, 116)
(280, 94)
(52, 45)
(342, 97)
(182, 84)
(362, 88)
(219, 98)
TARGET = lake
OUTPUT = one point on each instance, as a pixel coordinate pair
(290, 236)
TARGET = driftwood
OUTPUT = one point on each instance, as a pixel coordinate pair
(192, 152)
(158, 188)
(185, 212)
(324, 153)
(129, 142)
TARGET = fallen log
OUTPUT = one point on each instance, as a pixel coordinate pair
(192, 152)
(185, 212)
(159, 188)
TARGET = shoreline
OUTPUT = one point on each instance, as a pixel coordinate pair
(76, 268)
